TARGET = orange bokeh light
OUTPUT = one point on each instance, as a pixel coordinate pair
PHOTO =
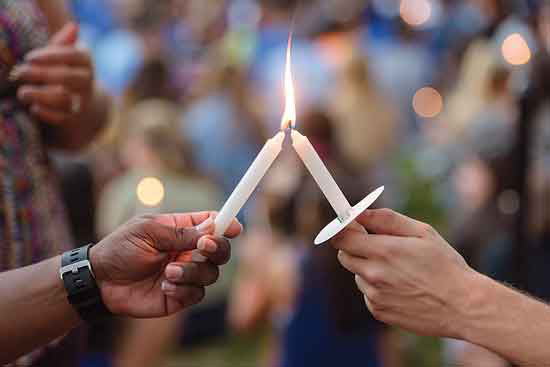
(415, 12)
(427, 102)
(515, 50)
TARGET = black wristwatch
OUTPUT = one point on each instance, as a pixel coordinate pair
(82, 290)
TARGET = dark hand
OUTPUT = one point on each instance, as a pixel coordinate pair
(57, 81)
(144, 269)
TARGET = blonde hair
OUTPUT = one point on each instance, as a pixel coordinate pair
(156, 122)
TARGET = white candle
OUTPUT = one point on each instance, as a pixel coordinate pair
(320, 173)
(248, 183)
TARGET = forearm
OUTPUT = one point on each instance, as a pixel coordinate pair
(34, 309)
(146, 341)
(514, 325)
(84, 126)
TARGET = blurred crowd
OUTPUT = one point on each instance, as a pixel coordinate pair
(445, 102)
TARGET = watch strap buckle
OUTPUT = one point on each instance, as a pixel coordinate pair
(75, 267)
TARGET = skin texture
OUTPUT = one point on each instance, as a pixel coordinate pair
(52, 77)
(411, 277)
(144, 269)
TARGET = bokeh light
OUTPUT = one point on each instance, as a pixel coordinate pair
(150, 191)
(515, 50)
(427, 102)
(415, 12)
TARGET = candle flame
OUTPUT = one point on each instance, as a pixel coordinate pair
(289, 116)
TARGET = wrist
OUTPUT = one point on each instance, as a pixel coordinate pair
(97, 264)
(83, 286)
(472, 304)
(59, 292)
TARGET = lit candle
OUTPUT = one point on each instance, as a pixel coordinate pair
(307, 153)
(248, 183)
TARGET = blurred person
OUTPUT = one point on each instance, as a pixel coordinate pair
(367, 124)
(401, 64)
(152, 150)
(303, 292)
(48, 99)
(141, 270)
(481, 64)
(480, 124)
(474, 88)
(484, 148)
(225, 97)
(483, 181)
(151, 82)
(126, 38)
(532, 170)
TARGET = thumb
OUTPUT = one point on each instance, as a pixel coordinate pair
(386, 221)
(68, 35)
(170, 239)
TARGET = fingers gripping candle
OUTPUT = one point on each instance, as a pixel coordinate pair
(248, 183)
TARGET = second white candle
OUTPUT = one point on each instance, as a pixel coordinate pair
(320, 173)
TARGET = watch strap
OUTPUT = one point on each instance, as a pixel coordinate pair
(82, 290)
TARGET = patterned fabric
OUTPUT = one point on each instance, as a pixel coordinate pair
(32, 220)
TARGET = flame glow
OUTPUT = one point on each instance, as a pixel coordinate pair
(289, 116)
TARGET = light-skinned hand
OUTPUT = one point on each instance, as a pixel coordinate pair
(409, 275)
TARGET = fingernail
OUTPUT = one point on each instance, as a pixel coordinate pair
(29, 56)
(167, 286)
(205, 226)
(198, 257)
(201, 245)
(15, 73)
(22, 94)
(174, 272)
(207, 245)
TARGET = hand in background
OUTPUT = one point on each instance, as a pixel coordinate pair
(410, 276)
(144, 268)
(57, 81)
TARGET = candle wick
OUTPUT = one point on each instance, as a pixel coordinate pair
(288, 126)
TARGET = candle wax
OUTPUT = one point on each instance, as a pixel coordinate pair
(248, 183)
(320, 173)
